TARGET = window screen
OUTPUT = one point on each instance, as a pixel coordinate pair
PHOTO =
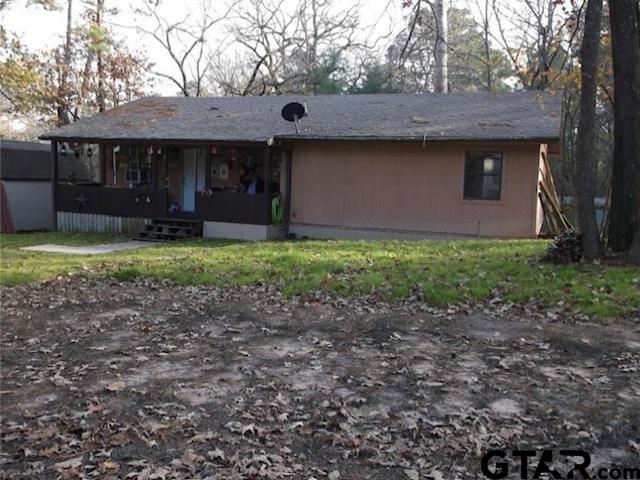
(139, 165)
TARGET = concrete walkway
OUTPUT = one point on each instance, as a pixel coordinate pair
(90, 249)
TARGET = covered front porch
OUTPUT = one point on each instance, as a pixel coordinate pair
(234, 190)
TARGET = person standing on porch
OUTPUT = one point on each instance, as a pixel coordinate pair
(252, 183)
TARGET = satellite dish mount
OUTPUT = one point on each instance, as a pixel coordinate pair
(294, 112)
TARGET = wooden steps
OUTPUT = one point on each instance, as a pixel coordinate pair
(170, 229)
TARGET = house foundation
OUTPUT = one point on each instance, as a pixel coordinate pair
(241, 231)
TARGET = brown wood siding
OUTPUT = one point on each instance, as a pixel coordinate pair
(406, 187)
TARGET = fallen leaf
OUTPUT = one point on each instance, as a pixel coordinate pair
(216, 454)
(75, 462)
(109, 467)
(412, 474)
(115, 386)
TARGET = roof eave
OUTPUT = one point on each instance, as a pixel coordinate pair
(177, 141)
(413, 138)
(302, 137)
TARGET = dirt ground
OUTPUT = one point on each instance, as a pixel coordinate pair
(148, 380)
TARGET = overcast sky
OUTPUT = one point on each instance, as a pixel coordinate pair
(40, 29)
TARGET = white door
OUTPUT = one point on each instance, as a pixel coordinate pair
(189, 180)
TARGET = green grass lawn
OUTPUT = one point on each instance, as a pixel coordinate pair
(446, 272)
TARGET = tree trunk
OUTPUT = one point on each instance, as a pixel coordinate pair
(441, 75)
(84, 86)
(634, 251)
(313, 60)
(101, 94)
(487, 46)
(625, 179)
(585, 173)
(64, 117)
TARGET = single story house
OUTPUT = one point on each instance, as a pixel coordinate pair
(25, 172)
(356, 166)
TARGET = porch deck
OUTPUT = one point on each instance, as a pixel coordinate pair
(142, 183)
(154, 204)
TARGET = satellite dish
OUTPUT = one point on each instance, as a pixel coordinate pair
(293, 112)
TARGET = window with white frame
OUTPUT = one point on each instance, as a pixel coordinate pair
(139, 165)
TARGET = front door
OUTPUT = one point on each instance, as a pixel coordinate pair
(193, 176)
(189, 180)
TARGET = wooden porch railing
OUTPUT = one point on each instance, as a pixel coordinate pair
(234, 208)
(149, 203)
(120, 202)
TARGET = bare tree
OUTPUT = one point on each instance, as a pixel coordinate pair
(288, 51)
(585, 174)
(537, 36)
(267, 32)
(185, 42)
(473, 62)
(100, 51)
(235, 76)
(428, 19)
(46, 4)
(97, 45)
(484, 12)
(64, 116)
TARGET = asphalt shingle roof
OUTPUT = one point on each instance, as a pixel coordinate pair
(452, 116)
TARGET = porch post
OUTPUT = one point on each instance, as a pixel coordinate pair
(267, 180)
(267, 169)
(102, 151)
(54, 183)
(207, 168)
(285, 158)
(154, 167)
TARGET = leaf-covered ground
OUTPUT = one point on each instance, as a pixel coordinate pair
(151, 380)
(442, 272)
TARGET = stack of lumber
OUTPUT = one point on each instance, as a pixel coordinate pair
(556, 220)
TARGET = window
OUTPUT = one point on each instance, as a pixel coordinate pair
(79, 162)
(139, 165)
(89, 155)
(482, 176)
